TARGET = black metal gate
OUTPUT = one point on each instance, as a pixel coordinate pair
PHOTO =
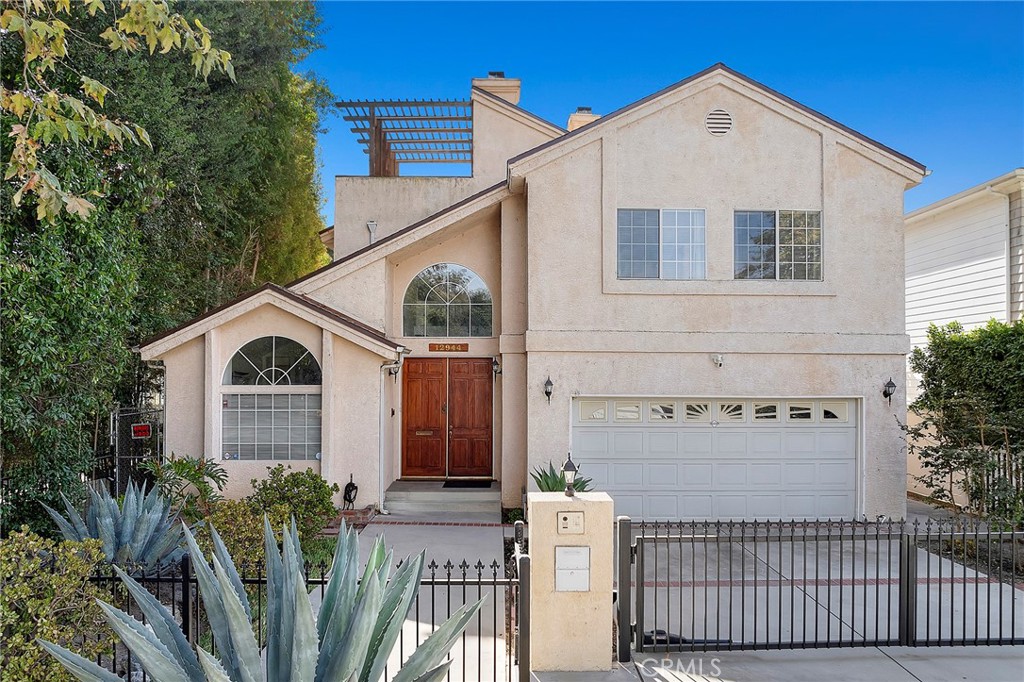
(136, 435)
(709, 586)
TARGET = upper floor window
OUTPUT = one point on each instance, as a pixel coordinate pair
(665, 244)
(447, 300)
(272, 361)
(777, 245)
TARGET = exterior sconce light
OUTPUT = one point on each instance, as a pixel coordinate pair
(548, 388)
(888, 390)
(495, 367)
(569, 472)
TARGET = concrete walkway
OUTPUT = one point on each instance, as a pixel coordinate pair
(481, 654)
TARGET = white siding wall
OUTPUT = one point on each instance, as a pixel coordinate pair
(956, 267)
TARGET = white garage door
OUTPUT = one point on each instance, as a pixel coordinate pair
(698, 458)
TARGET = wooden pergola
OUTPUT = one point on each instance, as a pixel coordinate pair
(395, 132)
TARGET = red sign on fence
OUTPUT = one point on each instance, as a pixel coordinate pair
(141, 431)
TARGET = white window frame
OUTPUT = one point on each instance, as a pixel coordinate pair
(661, 253)
(777, 211)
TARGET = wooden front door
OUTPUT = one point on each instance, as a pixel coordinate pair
(447, 417)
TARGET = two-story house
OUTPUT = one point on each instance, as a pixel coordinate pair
(700, 295)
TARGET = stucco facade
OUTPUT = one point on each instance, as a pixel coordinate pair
(540, 232)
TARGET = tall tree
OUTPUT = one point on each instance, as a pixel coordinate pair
(225, 196)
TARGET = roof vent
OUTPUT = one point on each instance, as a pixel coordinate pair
(718, 122)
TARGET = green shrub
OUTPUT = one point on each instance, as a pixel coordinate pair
(551, 480)
(55, 602)
(193, 484)
(241, 529)
(305, 494)
(971, 409)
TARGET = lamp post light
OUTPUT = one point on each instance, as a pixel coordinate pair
(569, 473)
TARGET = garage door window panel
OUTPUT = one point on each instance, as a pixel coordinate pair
(662, 412)
(803, 412)
(627, 411)
(698, 412)
(766, 412)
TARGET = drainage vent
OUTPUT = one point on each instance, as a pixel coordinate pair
(718, 122)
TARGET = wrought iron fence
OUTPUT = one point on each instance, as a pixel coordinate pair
(485, 650)
(707, 586)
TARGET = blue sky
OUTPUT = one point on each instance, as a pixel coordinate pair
(941, 82)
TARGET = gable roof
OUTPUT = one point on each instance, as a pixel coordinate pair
(325, 316)
(544, 123)
(1004, 181)
(716, 68)
(493, 194)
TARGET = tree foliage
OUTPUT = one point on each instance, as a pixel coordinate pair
(225, 197)
(971, 410)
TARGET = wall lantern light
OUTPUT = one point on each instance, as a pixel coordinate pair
(569, 472)
(548, 388)
(888, 390)
(495, 367)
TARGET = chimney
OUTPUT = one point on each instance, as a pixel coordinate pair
(581, 117)
(499, 86)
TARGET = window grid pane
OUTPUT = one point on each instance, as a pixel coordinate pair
(754, 256)
(800, 245)
(272, 427)
(638, 244)
(682, 244)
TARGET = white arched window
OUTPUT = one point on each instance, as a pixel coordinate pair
(447, 300)
(270, 402)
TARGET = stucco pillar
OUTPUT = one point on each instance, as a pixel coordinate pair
(328, 456)
(212, 378)
(571, 581)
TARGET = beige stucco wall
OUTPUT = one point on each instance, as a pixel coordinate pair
(185, 399)
(595, 334)
(499, 133)
(350, 395)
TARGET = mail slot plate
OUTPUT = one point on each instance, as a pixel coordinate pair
(424, 433)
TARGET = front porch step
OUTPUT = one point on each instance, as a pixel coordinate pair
(430, 496)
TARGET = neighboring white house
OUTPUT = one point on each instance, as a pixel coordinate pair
(964, 263)
(700, 295)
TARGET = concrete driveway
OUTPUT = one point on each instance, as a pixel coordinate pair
(808, 590)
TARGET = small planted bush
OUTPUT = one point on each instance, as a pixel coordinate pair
(141, 534)
(358, 624)
(193, 484)
(551, 480)
(45, 593)
(305, 494)
(241, 527)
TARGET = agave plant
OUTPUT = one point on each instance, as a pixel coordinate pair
(552, 480)
(140, 535)
(358, 623)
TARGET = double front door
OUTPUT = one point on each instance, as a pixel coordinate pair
(447, 417)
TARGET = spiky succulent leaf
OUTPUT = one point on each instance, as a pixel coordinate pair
(247, 650)
(275, 579)
(211, 666)
(67, 528)
(304, 643)
(436, 646)
(164, 626)
(348, 658)
(398, 598)
(437, 674)
(209, 589)
(339, 603)
(154, 657)
(82, 668)
(221, 552)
